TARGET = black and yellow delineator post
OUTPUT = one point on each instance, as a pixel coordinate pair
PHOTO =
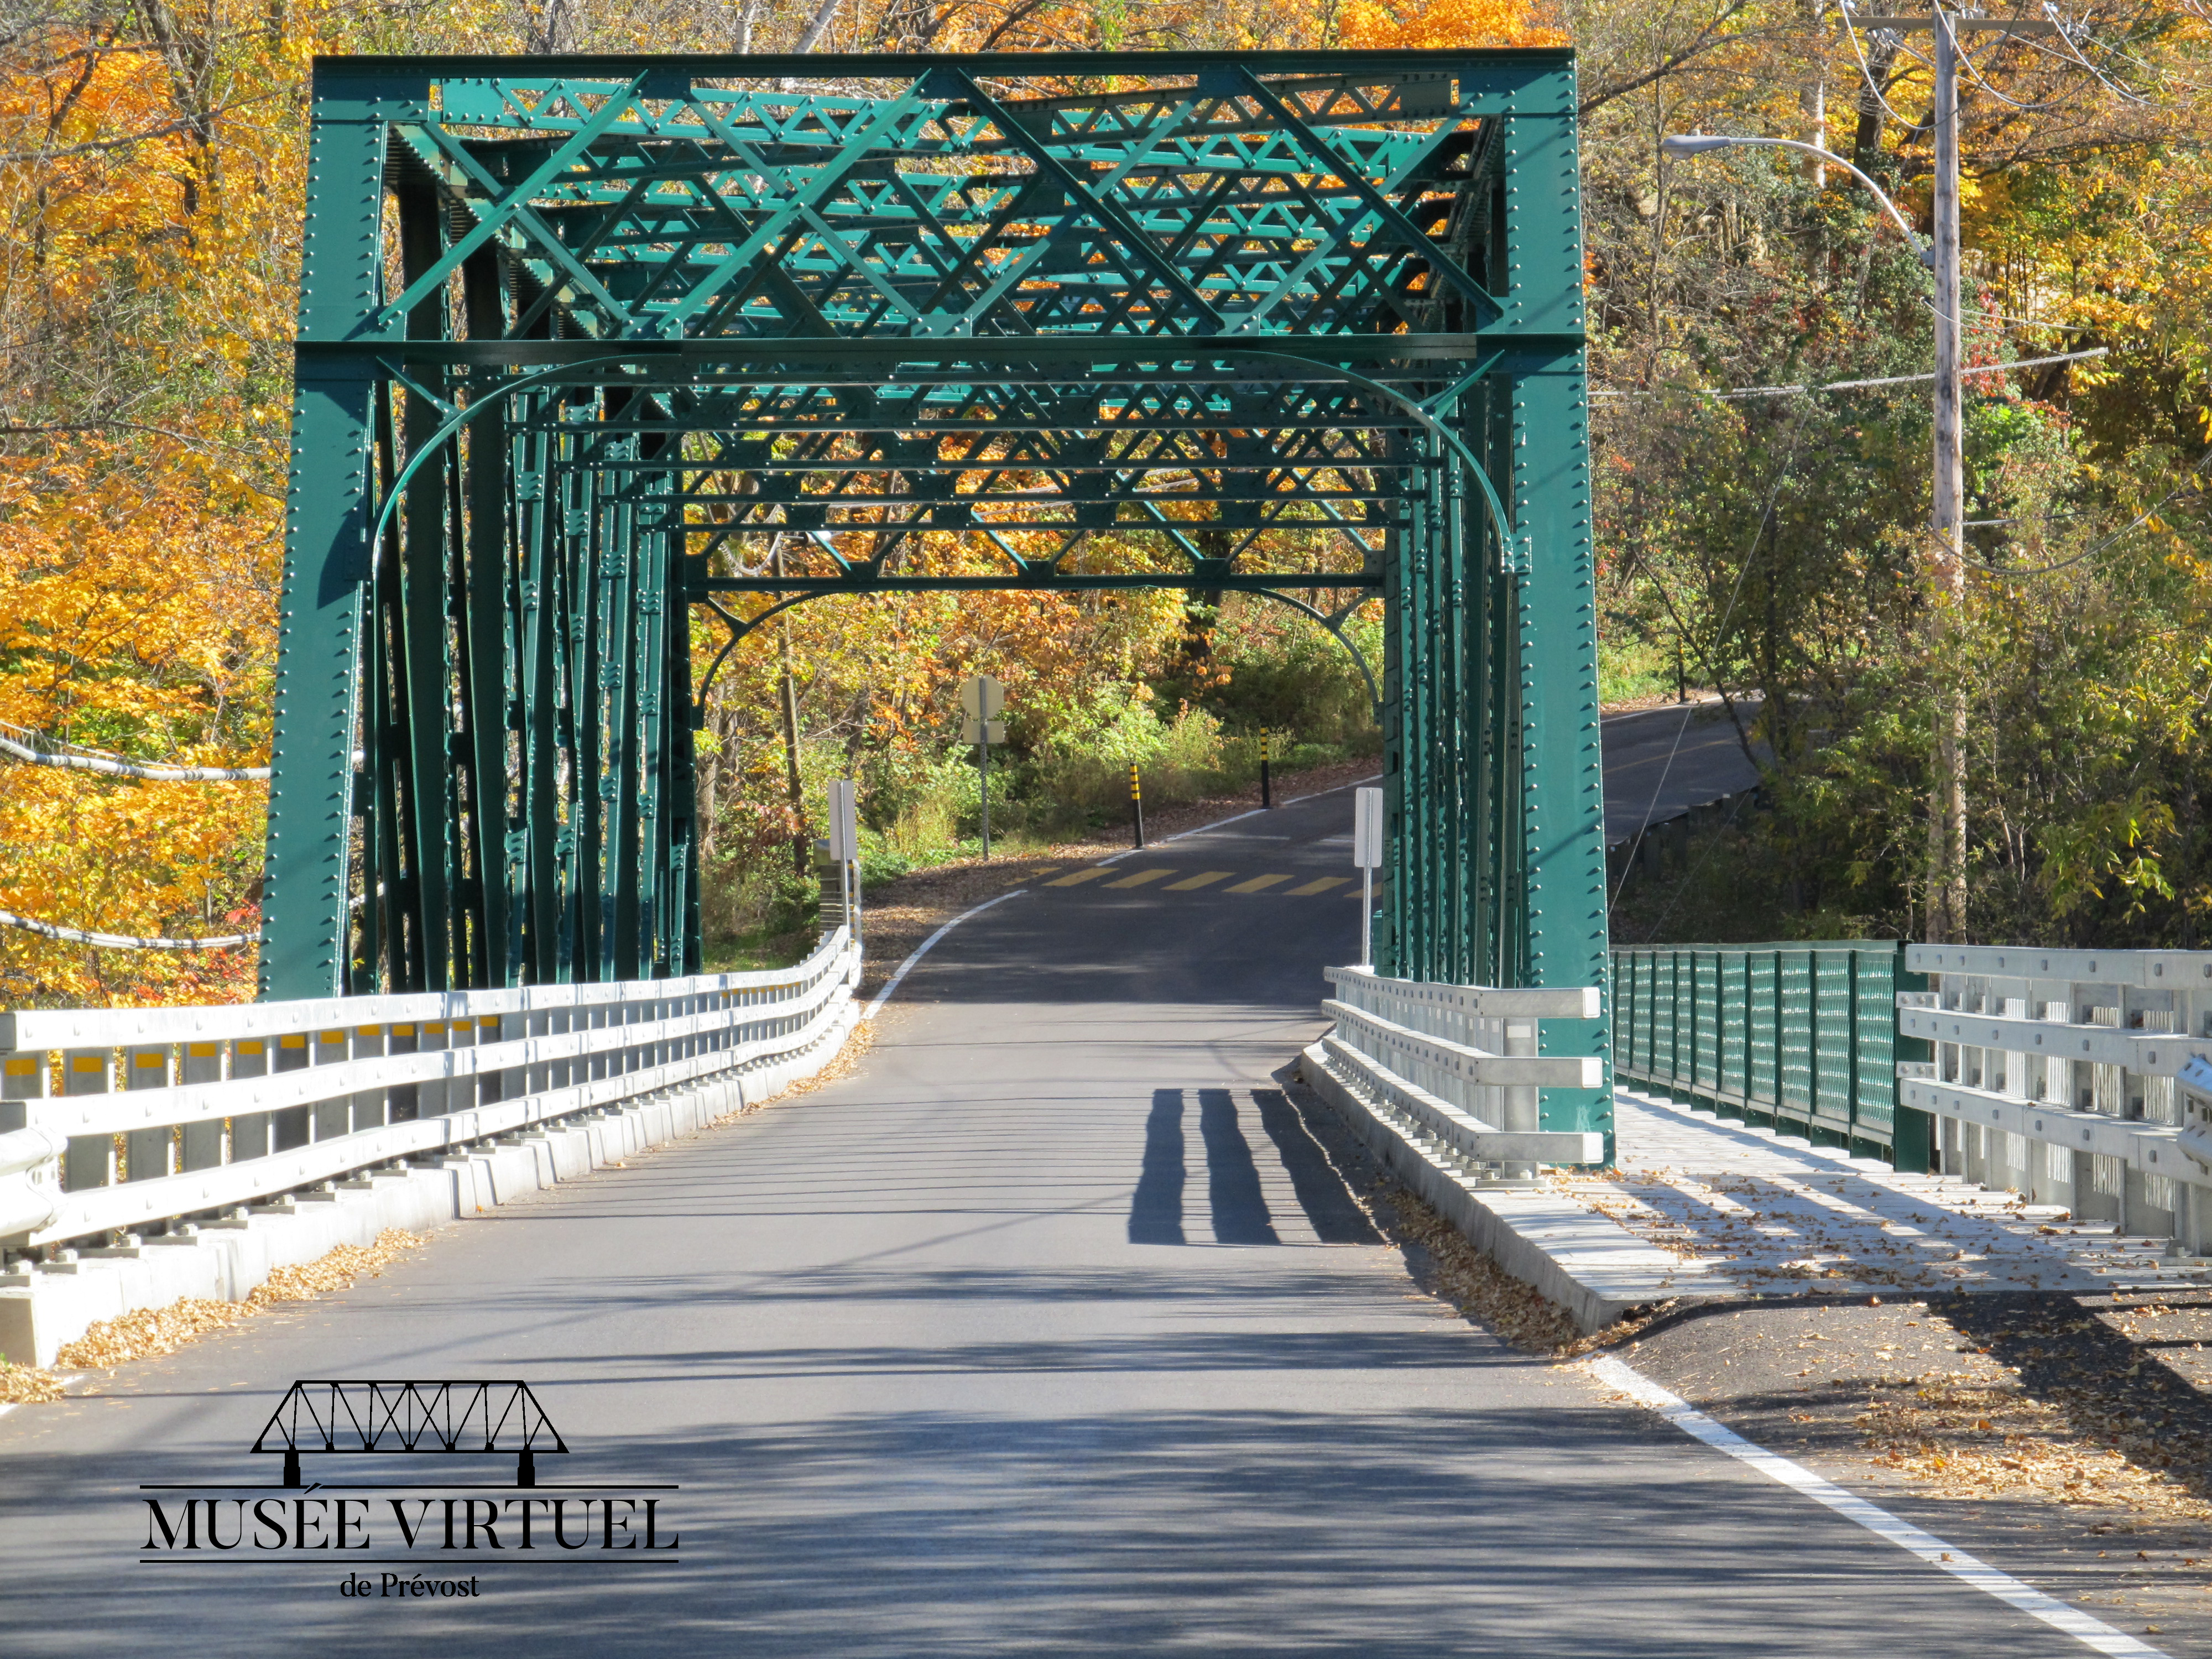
(1266, 788)
(1136, 804)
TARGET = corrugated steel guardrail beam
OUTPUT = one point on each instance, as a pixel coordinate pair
(359, 1082)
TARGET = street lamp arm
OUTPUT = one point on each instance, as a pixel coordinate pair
(1694, 143)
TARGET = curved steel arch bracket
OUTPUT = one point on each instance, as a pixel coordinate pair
(1333, 621)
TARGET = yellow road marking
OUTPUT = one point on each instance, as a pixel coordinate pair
(1080, 875)
(1203, 878)
(1257, 884)
(1141, 878)
(1320, 887)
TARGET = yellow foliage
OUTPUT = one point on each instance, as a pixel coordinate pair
(140, 520)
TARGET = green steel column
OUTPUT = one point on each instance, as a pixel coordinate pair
(426, 665)
(1563, 802)
(535, 897)
(576, 780)
(488, 653)
(616, 719)
(681, 951)
(1390, 930)
(388, 879)
(1430, 856)
(326, 564)
(1458, 835)
(589, 786)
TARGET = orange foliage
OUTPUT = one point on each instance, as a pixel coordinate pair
(1442, 24)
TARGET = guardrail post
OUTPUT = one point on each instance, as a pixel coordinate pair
(149, 1154)
(332, 1118)
(90, 1161)
(371, 1109)
(290, 1127)
(1913, 1148)
(402, 1103)
(252, 1134)
(504, 1084)
(438, 1095)
(22, 1080)
(202, 1142)
(1522, 1111)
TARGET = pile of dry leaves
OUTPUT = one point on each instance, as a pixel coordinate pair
(840, 1065)
(1972, 1440)
(153, 1331)
(28, 1385)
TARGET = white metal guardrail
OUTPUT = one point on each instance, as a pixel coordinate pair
(115, 1119)
(2080, 1077)
(1457, 1064)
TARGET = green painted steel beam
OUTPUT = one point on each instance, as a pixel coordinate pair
(1030, 580)
(869, 362)
(310, 855)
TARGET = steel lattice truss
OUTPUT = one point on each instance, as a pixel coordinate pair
(592, 347)
(406, 1417)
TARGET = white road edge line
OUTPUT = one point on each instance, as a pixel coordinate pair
(2091, 1632)
(1132, 852)
(922, 949)
(1373, 778)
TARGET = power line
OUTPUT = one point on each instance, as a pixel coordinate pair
(2202, 461)
(1859, 386)
(83, 760)
(121, 941)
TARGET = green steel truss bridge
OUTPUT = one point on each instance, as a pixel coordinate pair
(597, 354)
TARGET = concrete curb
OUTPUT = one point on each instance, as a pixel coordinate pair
(1591, 1266)
(44, 1309)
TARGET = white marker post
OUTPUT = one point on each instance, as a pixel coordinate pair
(845, 848)
(981, 697)
(1367, 854)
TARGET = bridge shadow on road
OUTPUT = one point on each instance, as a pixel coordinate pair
(1391, 1532)
(1238, 1207)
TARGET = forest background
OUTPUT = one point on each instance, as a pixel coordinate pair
(1769, 545)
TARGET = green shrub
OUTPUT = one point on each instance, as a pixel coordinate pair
(1084, 766)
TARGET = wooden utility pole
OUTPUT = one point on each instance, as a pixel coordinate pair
(1947, 806)
(1946, 897)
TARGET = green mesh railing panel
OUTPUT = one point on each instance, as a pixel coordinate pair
(1804, 1034)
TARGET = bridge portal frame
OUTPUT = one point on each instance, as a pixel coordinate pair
(576, 333)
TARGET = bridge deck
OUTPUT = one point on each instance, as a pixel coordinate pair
(1051, 1330)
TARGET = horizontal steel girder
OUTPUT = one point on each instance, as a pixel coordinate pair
(1035, 578)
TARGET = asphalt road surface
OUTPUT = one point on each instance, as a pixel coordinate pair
(1659, 762)
(1050, 1331)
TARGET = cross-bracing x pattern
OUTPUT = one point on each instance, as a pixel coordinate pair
(592, 347)
(402, 1416)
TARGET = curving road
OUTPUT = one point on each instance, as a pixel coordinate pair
(1660, 762)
